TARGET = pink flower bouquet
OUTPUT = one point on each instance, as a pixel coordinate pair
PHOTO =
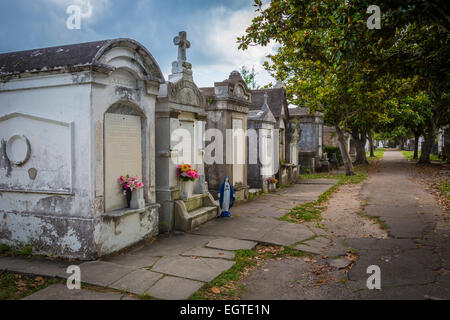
(186, 173)
(130, 183)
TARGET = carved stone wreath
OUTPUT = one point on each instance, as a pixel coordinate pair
(18, 149)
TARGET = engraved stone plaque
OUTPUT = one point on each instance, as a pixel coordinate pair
(123, 155)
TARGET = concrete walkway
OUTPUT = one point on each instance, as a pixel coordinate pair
(413, 260)
(175, 266)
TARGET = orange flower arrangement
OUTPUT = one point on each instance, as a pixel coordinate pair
(272, 180)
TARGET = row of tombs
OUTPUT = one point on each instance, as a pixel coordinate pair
(75, 118)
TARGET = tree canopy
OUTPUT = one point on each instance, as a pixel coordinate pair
(330, 60)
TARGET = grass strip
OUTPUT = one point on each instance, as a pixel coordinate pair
(410, 155)
(311, 211)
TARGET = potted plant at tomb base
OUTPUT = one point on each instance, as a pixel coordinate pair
(188, 176)
(129, 184)
(272, 183)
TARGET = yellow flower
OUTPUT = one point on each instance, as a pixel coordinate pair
(185, 167)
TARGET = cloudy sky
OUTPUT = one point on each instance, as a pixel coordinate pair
(211, 25)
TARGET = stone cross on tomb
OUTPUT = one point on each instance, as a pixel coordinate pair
(182, 44)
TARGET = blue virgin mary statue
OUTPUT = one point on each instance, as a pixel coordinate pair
(226, 197)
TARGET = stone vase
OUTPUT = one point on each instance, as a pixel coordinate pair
(272, 187)
(137, 201)
(187, 189)
(128, 197)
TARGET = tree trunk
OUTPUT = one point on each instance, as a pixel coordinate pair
(428, 145)
(416, 145)
(360, 141)
(349, 171)
(372, 148)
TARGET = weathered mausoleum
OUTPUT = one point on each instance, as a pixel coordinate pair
(288, 163)
(180, 133)
(311, 141)
(263, 155)
(72, 120)
(227, 105)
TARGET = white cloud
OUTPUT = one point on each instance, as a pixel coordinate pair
(217, 34)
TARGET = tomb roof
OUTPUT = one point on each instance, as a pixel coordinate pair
(302, 111)
(276, 100)
(73, 56)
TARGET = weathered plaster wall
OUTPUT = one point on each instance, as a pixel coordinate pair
(53, 214)
(116, 233)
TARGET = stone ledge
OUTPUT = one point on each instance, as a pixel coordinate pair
(117, 214)
(60, 193)
(288, 165)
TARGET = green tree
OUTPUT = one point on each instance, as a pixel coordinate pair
(330, 60)
(417, 44)
(422, 50)
(249, 77)
(324, 59)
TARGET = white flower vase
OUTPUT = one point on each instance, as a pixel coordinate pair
(187, 189)
(272, 186)
(137, 199)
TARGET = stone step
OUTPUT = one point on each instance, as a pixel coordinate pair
(202, 215)
(189, 220)
(195, 201)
